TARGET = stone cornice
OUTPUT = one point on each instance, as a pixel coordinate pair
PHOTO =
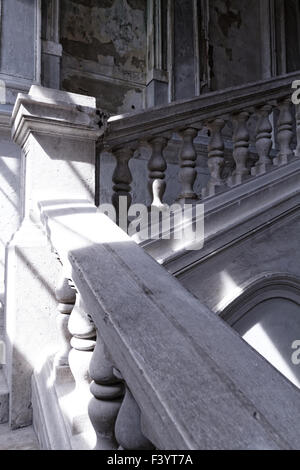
(5, 117)
(56, 113)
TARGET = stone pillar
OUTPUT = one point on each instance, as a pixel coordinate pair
(19, 68)
(57, 132)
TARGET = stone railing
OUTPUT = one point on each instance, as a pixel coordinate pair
(166, 372)
(256, 118)
(160, 362)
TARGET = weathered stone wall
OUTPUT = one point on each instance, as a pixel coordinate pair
(234, 42)
(292, 33)
(104, 51)
(18, 35)
(184, 50)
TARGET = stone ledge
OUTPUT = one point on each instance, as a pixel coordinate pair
(54, 112)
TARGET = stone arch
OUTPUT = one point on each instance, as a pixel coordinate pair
(267, 315)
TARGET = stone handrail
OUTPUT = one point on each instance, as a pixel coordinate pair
(135, 126)
(266, 105)
(167, 372)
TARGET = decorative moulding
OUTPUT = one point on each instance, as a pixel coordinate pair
(57, 113)
(267, 286)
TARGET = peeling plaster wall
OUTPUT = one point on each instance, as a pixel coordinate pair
(104, 51)
(17, 58)
(184, 67)
(234, 42)
(292, 33)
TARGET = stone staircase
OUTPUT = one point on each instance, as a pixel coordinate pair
(120, 289)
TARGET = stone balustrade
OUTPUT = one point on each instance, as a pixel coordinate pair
(144, 367)
(258, 118)
(152, 367)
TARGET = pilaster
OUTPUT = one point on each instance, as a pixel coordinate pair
(57, 132)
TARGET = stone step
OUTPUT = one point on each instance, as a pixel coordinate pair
(20, 439)
(4, 398)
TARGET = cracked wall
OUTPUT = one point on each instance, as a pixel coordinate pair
(104, 51)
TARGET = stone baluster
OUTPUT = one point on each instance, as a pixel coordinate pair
(66, 296)
(215, 157)
(297, 153)
(157, 166)
(128, 425)
(122, 179)
(263, 140)
(284, 133)
(107, 391)
(83, 342)
(188, 157)
(240, 148)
